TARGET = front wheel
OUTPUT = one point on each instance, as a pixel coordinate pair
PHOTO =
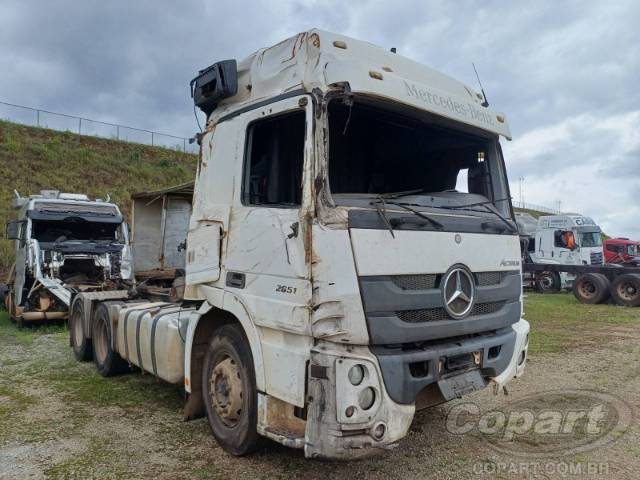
(229, 391)
(548, 282)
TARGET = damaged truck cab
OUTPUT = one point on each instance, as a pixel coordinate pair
(351, 254)
(352, 212)
(65, 244)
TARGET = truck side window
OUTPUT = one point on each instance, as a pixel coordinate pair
(558, 241)
(274, 160)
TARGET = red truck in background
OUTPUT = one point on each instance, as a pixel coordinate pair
(622, 251)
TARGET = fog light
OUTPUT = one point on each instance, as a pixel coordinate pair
(379, 431)
(367, 398)
(350, 411)
(356, 374)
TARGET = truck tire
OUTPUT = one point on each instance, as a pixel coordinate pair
(591, 288)
(108, 362)
(79, 342)
(229, 391)
(625, 290)
(547, 282)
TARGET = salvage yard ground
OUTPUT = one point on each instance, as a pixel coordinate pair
(60, 419)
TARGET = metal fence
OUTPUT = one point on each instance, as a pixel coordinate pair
(95, 128)
(533, 206)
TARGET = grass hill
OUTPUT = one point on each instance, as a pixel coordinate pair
(533, 213)
(32, 159)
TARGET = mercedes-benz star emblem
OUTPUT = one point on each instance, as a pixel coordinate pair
(458, 291)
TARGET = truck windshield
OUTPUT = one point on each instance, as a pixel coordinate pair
(632, 250)
(590, 239)
(376, 151)
(73, 230)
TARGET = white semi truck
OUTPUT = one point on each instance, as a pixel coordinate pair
(350, 258)
(65, 243)
(568, 239)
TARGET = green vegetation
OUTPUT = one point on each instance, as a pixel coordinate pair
(559, 322)
(32, 159)
(533, 213)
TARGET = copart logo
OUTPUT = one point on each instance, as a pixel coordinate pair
(550, 424)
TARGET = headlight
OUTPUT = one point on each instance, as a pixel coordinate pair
(367, 398)
(356, 374)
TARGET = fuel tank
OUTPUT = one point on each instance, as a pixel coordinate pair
(151, 336)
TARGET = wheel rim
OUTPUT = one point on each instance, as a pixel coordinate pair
(100, 341)
(587, 289)
(225, 391)
(546, 282)
(627, 290)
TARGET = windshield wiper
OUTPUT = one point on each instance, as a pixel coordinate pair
(384, 202)
(487, 208)
(382, 212)
(406, 193)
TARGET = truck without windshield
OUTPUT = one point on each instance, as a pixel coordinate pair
(351, 254)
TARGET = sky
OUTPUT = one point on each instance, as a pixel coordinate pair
(566, 73)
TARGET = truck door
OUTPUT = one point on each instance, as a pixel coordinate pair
(265, 257)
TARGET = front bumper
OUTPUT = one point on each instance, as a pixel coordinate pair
(338, 428)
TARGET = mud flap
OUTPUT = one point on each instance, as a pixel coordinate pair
(462, 384)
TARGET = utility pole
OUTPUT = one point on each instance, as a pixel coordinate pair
(559, 202)
(521, 180)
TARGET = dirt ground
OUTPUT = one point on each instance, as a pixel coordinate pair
(60, 419)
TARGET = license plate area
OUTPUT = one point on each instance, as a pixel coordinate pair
(459, 363)
(455, 386)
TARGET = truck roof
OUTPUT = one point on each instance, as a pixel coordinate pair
(54, 200)
(320, 59)
(621, 241)
(566, 221)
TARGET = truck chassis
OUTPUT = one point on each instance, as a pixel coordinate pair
(594, 284)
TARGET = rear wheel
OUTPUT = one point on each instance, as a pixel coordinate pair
(625, 290)
(229, 391)
(547, 282)
(591, 288)
(79, 341)
(107, 361)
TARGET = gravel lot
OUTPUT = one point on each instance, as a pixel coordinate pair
(59, 419)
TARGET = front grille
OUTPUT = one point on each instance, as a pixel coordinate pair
(596, 258)
(430, 280)
(415, 282)
(439, 313)
(484, 279)
(423, 315)
(486, 308)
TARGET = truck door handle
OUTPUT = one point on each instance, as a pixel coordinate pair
(235, 279)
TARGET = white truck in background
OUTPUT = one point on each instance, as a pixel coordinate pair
(568, 239)
(335, 281)
(65, 243)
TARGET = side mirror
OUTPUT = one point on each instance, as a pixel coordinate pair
(214, 83)
(12, 231)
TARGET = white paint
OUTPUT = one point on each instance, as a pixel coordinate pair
(413, 252)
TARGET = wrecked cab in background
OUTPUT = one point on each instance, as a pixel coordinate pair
(65, 243)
